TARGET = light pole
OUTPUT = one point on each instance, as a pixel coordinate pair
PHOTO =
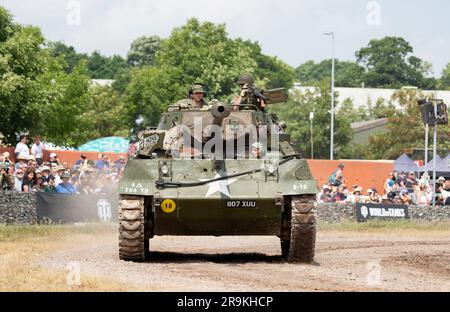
(331, 33)
(311, 118)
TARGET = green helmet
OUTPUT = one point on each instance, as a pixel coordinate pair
(197, 88)
(246, 78)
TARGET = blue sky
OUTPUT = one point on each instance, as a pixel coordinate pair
(291, 30)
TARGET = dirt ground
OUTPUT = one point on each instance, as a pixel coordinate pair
(345, 261)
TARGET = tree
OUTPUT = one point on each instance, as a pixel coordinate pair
(389, 63)
(405, 129)
(143, 50)
(204, 52)
(103, 67)
(22, 61)
(348, 74)
(67, 53)
(67, 98)
(99, 66)
(444, 81)
(150, 91)
(105, 115)
(296, 115)
(195, 52)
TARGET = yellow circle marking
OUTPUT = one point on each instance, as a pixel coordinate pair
(168, 206)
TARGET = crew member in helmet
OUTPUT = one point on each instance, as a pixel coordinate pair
(246, 96)
(196, 100)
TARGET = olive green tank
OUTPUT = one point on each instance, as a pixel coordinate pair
(222, 171)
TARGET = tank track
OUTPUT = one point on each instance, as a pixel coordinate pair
(132, 240)
(303, 230)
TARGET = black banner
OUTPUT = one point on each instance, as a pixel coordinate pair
(77, 208)
(366, 212)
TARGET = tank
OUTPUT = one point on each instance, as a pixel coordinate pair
(223, 171)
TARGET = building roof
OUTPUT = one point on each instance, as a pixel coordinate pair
(361, 96)
(102, 82)
(366, 125)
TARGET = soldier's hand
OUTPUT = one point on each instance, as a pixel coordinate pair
(244, 91)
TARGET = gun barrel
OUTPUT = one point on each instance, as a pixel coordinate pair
(219, 111)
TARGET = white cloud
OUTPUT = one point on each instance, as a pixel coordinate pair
(289, 29)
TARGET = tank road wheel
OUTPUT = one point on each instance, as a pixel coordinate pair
(301, 245)
(133, 244)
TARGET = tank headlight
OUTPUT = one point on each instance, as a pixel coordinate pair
(271, 169)
(165, 169)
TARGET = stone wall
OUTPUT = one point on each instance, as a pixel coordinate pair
(21, 208)
(335, 213)
(18, 208)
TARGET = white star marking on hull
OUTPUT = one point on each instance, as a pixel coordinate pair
(219, 186)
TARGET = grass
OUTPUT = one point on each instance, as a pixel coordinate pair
(22, 248)
(385, 226)
(20, 232)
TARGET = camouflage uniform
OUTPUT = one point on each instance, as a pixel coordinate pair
(247, 97)
(190, 103)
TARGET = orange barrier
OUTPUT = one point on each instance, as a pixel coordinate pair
(364, 173)
(68, 156)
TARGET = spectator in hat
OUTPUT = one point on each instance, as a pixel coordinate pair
(54, 159)
(59, 170)
(325, 196)
(37, 150)
(356, 195)
(22, 147)
(22, 160)
(32, 162)
(65, 187)
(46, 173)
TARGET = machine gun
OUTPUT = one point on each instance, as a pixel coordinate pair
(272, 96)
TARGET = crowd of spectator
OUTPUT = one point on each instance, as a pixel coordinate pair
(32, 174)
(399, 188)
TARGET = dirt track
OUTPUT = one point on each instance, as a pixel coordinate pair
(345, 262)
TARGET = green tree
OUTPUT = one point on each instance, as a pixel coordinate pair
(195, 52)
(143, 50)
(296, 115)
(22, 61)
(150, 91)
(103, 67)
(204, 52)
(68, 53)
(105, 115)
(389, 63)
(347, 74)
(444, 81)
(66, 100)
(405, 129)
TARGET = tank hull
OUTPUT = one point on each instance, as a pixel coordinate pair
(251, 204)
